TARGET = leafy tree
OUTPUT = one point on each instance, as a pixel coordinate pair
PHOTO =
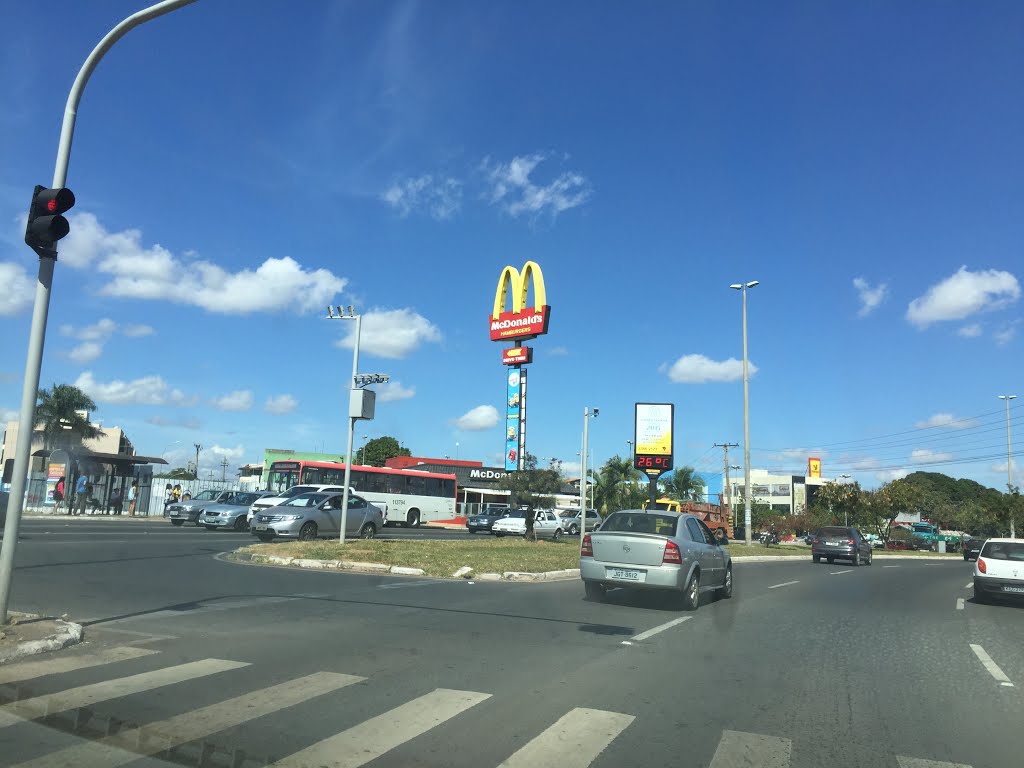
(57, 412)
(683, 484)
(533, 486)
(616, 486)
(178, 473)
(380, 449)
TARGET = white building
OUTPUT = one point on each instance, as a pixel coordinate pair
(787, 494)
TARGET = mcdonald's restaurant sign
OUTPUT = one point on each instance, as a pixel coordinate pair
(519, 321)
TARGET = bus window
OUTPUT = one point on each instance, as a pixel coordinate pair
(448, 487)
(417, 484)
(312, 476)
(432, 486)
(333, 476)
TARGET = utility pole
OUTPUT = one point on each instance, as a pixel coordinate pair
(224, 469)
(198, 449)
(630, 444)
(728, 487)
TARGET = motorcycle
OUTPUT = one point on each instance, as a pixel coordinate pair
(770, 538)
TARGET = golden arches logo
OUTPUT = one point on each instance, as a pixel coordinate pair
(521, 321)
(518, 283)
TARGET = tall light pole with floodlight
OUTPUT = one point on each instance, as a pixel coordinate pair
(1009, 459)
(743, 287)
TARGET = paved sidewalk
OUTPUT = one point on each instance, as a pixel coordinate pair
(27, 634)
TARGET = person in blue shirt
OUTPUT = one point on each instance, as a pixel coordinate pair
(81, 494)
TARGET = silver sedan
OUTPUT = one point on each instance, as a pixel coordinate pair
(310, 516)
(656, 550)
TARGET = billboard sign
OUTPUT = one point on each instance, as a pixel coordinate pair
(517, 356)
(653, 437)
(519, 321)
(814, 467)
(512, 414)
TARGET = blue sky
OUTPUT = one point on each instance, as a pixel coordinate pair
(237, 170)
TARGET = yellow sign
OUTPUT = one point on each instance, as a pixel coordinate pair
(653, 429)
(520, 321)
(813, 467)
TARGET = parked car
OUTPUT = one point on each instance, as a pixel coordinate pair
(296, 490)
(838, 543)
(489, 513)
(571, 520)
(546, 525)
(232, 512)
(310, 516)
(972, 547)
(658, 550)
(999, 571)
(189, 510)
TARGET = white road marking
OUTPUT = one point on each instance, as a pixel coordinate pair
(127, 746)
(959, 603)
(574, 741)
(916, 762)
(374, 737)
(839, 573)
(968, 585)
(29, 670)
(746, 750)
(421, 583)
(890, 566)
(991, 666)
(660, 628)
(210, 607)
(783, 584)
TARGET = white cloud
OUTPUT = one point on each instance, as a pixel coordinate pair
(17, 289)
(187, 422)
(153, 272)
(869, 297)
(211, 460)
(137, 331)
(9, 414)
(86, 352)
(969, 331)
(148, 390)
(888, 475)
(391, 333)
(1005, 334)
(801, 454)
(439, 197)
(478, 419)
(928, 456)
(280, 404)
(999, 467)
(101, 330)
(393, 390)
(945, 420)
(963, 294)
(239, 400)
(512, 189)
(698, 369)
(558, 352)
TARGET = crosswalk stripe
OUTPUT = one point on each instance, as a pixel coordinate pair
(737, 749)
(29, 670)
(372, 738)
(916, 762)
(573, 742)
(86, 695)
(126, 746)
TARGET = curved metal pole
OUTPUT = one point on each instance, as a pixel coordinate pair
(41, 308)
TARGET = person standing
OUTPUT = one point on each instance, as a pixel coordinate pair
(58, 496)
(116, 501)
(133, 492)
(81, 494)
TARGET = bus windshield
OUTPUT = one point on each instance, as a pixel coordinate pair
(280, 480)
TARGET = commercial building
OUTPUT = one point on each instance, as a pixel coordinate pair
(787, 494)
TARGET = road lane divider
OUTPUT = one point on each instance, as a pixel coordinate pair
(991, 666)
(783, 584)
(574, 741)
(968, 585)
(737, 749)
(916, 762)
(29, 670)
(959, 603)
(655, 630)
(839, 573)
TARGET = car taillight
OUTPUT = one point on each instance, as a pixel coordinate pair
(849, 541)
(588, 548)
(982, 566)
(672, 554)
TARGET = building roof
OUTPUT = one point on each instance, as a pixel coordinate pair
(110, 458)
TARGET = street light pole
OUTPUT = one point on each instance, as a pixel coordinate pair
(742, 287)
(846, 514)
(583, 474)
(41, 308)
(1009, 459)
(351, 426)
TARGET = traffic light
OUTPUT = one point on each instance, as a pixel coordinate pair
(46, 225)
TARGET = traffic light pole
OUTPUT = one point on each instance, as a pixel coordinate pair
(41, 309)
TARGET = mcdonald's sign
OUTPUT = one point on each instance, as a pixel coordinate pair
(520, 321)
(517, 356)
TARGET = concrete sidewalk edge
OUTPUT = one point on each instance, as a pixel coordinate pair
(68, 633)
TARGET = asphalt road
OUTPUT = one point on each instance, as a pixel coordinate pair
(888, 665)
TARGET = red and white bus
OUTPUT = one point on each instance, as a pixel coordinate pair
(406, 496)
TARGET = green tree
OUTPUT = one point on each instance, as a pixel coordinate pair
(57, 412)
(617, 486)
(533, 486)
(178, 473)
(380, 449)
(683, 484)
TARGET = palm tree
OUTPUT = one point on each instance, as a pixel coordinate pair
(684, 484)
(58, 414)
(612, 484)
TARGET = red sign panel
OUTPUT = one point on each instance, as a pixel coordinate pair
(517, 356)
(525, 324)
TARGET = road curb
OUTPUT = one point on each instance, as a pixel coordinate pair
(68, 633)
(399, 570)
(796, 559)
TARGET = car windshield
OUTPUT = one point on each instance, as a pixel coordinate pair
(296, 490)
(207, 495)
(1004, 550)
(639, 522)
(306, 500)
(241, 498)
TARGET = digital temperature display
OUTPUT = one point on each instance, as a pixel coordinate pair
(657, 463)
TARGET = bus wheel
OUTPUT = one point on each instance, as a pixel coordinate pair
(414, 518)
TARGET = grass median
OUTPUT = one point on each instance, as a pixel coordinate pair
(438, 558)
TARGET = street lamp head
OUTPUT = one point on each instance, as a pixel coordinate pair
(597, 412)
(752, 283)
(350, 312)
(1006, 397)
(330, 312)
(737, 286)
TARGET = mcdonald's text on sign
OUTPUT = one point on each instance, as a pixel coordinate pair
(519, 321)
(517, 356)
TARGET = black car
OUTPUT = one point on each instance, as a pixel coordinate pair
(488, 514)
(972, 547)
(839, 543)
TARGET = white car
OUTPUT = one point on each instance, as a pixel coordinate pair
(999, 570)
(546, 524)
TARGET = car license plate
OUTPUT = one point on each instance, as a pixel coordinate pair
(626, 574)
(1008, 588)
(260, 528)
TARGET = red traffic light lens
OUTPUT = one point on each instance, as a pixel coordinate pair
(51, 205)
